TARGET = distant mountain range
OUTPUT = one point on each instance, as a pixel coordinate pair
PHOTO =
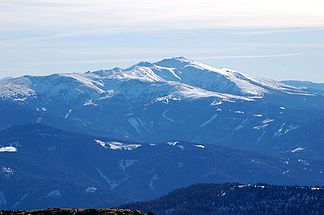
(237, 199)
(112, 136)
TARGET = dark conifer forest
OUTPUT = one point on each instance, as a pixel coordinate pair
(237, 199)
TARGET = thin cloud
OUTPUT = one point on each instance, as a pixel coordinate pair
(135, 59)
(96, 61)
(251, 56)
(167, 14)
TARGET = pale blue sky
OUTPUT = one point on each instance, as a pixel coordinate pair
(272, 39)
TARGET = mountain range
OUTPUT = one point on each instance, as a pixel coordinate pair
(108, 137)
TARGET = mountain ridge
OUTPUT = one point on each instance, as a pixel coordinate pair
(137, 133)
(237, 83)
(65, 169)
(152, 102)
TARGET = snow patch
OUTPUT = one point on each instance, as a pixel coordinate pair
(7, 171)
(257, 115)
(17, 89)
(172, 143)
(41, 109)
(297, 150)
(91, 189)
(181, 147)
(267, 121)
(303, 162)
(8, 149)
(68, 114)
(114, 145)
(285, 172)
(291, 127)
(284, 129)
(316, 188)
(200, 146)
(216, 103)
(166, 99)
(89, 103)
(260, 127)
(21, 99)
(223, 193)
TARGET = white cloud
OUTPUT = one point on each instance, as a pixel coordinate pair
(44, 36)
(157, 14)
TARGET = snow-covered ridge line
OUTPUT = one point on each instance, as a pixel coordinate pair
(182, 70)
(177, 78)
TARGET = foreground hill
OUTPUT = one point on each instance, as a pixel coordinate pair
(42, 167)
(237, 199)
(72, 211)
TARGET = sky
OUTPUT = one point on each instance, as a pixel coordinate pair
(277, 39)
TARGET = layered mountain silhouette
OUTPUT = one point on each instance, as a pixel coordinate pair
(107, 137)
(43, 167)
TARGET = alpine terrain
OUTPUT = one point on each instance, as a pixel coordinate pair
(109, 137)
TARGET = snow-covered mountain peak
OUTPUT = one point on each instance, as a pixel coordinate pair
(203, 76)
(221, 80)
(175, 62)
(200, 75)
(192, 78)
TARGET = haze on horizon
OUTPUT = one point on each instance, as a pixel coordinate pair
(271, 39)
